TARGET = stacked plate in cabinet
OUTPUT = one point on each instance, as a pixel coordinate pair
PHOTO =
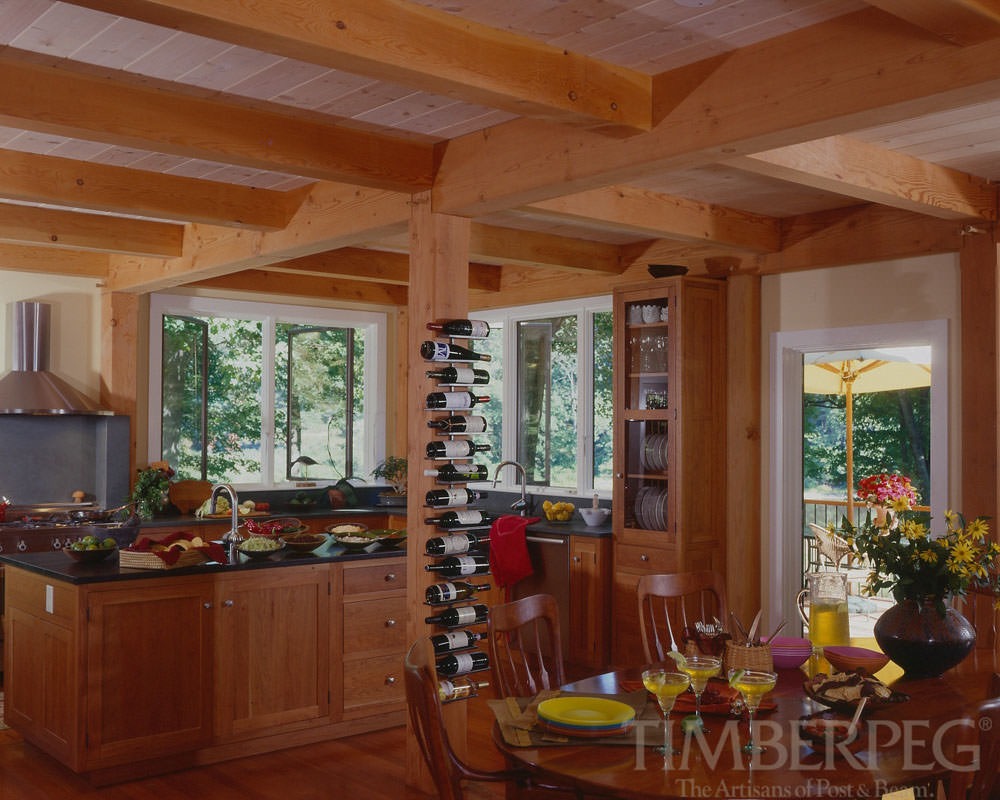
(654, 452)
(651, 508)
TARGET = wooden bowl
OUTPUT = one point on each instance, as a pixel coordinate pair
(302, 542)
(89, 556)
(849, 659)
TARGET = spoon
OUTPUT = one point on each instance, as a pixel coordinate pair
(853, 727)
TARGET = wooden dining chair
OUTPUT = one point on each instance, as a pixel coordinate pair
(669, 603)
(525, 644)
(979, 607)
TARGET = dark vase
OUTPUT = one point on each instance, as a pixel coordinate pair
(922, 641)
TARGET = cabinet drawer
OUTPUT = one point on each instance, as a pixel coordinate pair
(378, 577)
(53, 601)
(374, 681)
(372, 625)
(644, 559)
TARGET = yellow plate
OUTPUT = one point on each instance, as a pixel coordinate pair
(586, 711)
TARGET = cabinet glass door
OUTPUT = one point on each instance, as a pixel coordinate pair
(646, 474)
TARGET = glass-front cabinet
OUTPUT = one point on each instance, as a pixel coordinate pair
(670, 434)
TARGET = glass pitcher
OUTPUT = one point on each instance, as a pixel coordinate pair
(828, 619)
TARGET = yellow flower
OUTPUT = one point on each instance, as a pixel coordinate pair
(900, 504)
(962, 553)
(914, 531)
(929, 556)
(977, 529)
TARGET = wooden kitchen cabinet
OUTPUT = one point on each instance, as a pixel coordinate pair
(590, 609)
(272, 650)
(670, 438)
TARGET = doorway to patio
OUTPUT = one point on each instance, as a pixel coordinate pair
(815, 464)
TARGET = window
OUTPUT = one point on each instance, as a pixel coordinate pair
(553, 415)
(263, 395)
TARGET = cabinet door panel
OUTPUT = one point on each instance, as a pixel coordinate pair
(372, 683)
(374, 625)
(589, 601)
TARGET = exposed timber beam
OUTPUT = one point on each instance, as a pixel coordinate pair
(331, 216)
(427, 49)
(45, 98)
(662, 216)
(55, 228)
(54, 261)
(32, 178)
(867, 172)
(269, 283)
(960, 21)
(746, 105)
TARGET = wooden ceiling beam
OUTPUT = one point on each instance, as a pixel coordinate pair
(32, 178)
(263, 281)
(331, 216)
(867, 172)
(44, 98)
(662, 216)
(962, 22)
(427, 49)
(887, 71)
(54, 261)
(69, 229)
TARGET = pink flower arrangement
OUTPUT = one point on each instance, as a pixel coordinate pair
(885, 489)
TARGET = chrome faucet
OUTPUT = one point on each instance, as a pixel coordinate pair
(233, 537)
(521, 505)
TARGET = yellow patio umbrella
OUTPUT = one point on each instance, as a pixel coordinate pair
(861, 371)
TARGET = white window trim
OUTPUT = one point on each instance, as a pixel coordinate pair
(374, 325)
(508, 318)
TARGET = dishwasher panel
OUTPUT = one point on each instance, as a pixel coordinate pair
(549, 554)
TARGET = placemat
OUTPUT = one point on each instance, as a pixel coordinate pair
(518, 720)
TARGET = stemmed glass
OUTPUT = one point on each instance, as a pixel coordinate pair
(700, 668)
(753, 685)
(665, 686)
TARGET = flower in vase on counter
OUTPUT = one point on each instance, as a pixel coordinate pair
(149, 494)
(888, 490)
(914, 564)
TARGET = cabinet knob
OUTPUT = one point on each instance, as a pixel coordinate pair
(390, 577)
(390, 680)
(390, 623)
(207, 605)
(576, 559)
(619, 475)
(227, 603)
(644, 557)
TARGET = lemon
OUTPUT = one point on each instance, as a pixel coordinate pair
(691, 724)
(735, 677)
(678, 658)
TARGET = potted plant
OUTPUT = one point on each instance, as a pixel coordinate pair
(393, 471)
(149, 494)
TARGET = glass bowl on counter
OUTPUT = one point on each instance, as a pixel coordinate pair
(260, 547)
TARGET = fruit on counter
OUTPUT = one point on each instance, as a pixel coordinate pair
(90, 542)
(262, 506)
(179, 544)
(559, 512)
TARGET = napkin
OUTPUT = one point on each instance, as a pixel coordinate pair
(509, 560)
(527, 718)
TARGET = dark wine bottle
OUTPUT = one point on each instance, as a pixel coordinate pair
(438, 593)
(455, 400)
(454, 544)
(446, 498)
(463, 615)
(460, 566)
(446, 351)
(455, 448)
(467, 328)
(463, 663)
(458, 473)
(458, 423)
(454, 640)
(466, 376)
(466, 518)
(459, 689)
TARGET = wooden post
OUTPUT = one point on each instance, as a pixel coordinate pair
(120, 359)
(439, 280)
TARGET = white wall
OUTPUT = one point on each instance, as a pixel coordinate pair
(75, 347)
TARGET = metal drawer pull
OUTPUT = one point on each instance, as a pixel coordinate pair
(644, 557)
(390, 623)
(227, 603)
(390, 576)
(390, 680)
(544, 540)
(207, 605)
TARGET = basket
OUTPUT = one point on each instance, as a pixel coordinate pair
(743, 656)
(137, 559)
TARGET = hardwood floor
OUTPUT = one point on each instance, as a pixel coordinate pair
(371, 766)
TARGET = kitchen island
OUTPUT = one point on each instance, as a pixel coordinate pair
(119, 673)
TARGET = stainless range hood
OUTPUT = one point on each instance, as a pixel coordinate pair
(29, 388)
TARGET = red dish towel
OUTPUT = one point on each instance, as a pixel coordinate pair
(509, 561)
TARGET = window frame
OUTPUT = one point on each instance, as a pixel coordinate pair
(507, 318)
(373, 324)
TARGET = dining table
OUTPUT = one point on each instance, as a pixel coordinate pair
(925, 736)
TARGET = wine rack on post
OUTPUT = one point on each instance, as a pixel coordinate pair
(458, 557)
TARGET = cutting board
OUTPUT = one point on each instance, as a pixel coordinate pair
(189, 495)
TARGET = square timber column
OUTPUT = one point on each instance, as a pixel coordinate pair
(439, 281)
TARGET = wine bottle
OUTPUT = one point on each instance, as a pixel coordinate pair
(446, 498)
(458, 423)
(438, 593)
(454, 544)
(466, 328)
(463, 663)
(459, 689)
(460, 566)
(463, 615)
(446, 351)
(454, 640)
(455, 400)
(466, 376)
(466, 518)
(458, 473)
(455, 448)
